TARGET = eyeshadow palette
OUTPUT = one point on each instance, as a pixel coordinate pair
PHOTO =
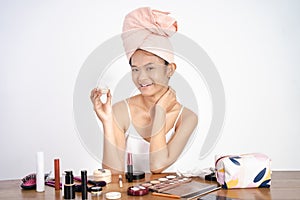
(172, 185)
(192, 189)
(165, 183)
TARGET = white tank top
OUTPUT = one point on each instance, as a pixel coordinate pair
(139, 147)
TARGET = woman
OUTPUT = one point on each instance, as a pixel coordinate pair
(152, 125)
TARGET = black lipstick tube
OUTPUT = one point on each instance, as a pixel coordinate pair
(84, 193)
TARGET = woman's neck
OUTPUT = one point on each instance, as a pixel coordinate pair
(150, 101)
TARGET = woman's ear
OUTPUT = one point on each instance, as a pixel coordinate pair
(171, 69)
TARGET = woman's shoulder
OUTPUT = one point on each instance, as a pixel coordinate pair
(189, 115)
(133, 100)
(119, 105)
(188, 121)
(123, 104)
(121, 114)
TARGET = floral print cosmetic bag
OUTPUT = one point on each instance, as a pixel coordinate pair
(243, 171)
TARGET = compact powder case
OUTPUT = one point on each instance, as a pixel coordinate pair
(137, 190)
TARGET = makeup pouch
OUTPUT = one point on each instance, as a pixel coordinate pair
(243, 171)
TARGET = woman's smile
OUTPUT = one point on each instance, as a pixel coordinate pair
(146, 85)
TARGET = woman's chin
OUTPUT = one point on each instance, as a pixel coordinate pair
(147, 93)
(147, 89)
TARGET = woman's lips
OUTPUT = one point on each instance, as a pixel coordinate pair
(145, 85)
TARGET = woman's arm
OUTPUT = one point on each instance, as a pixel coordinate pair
(162, 155)
(113, 147)
(114, 138)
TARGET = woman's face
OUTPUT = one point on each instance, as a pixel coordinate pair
(149, 73)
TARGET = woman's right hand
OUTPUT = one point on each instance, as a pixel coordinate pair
(102, 109)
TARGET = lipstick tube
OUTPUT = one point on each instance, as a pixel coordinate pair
(129, 168)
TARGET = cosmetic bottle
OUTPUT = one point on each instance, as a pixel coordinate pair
(40, 175)
(63, 179)
(84, 184)
(69, 186)
(57, 174)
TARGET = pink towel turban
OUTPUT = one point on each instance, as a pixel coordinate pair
(149, 30)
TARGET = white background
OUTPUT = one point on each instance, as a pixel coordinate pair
(254, 45)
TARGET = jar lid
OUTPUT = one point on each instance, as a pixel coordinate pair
(102, 172)
(95, 189)
(113, 195)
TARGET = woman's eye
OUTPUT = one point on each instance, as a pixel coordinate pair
(134, 69)
(150, 68)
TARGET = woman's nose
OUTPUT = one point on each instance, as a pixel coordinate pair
(143, 75)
